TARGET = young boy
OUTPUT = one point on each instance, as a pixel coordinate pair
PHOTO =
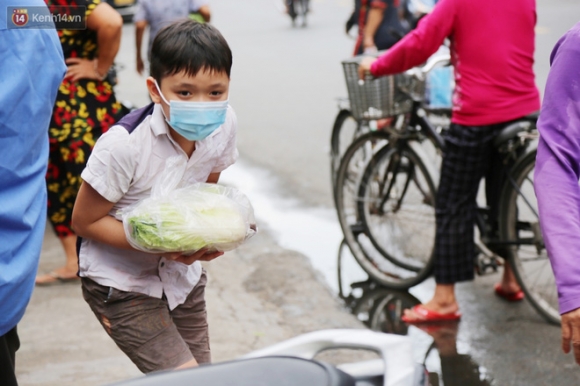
(153, 305)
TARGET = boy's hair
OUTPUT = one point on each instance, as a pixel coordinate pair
(189, 46)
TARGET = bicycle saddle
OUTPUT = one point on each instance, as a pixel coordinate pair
(526, 123)
(264, 371)
(532, 117)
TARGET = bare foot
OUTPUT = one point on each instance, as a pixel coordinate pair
(509, 283)
(59, 275)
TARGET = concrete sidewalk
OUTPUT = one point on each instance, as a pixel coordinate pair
(257, 295)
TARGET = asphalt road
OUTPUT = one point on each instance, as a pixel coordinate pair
(284, 84)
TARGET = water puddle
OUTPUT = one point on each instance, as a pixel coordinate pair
(436, 346)
(315, 232)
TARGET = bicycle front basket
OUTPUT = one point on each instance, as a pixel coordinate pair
(375, 98)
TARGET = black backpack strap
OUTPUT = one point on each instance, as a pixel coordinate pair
(135, 117)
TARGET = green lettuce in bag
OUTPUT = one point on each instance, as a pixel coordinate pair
(190, 218)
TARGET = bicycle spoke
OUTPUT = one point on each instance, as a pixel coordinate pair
(393, 247)
(410, 177)
(403, 218)
(390, 171)
(518, 190)
(520, 229)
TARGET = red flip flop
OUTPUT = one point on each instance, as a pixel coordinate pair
(511, 296)
(427, 316)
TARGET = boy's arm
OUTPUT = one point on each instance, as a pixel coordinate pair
(90, 219)
(213, 178)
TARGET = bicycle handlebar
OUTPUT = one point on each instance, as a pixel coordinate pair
(434, 61)
(420, 72)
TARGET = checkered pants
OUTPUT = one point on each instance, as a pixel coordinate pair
(469, 156)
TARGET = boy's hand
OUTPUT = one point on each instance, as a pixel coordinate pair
(201, 255)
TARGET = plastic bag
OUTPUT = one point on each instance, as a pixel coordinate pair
(440, 84)
(189, 218)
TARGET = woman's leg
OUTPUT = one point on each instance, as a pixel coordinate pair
(464, 164)
(69, 270)
(494, 180)
(66, 163)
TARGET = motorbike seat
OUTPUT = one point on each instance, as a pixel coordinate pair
(275, 370)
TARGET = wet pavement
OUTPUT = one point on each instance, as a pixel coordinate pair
(284, 85)
(496, 342)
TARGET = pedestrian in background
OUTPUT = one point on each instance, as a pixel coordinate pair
(379, 25)
(32, 68)
(160, 13)
(492, 51)
(85, 108)
(153, 305)
(556, 180)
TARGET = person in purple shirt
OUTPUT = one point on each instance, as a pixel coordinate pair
(556, 180)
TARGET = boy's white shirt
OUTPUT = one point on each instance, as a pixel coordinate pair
(122, 168)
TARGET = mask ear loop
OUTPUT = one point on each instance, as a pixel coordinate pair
(164, 100)
(161, 94)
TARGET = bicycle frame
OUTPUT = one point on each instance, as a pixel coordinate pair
(513, 142)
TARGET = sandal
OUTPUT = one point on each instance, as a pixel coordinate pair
(54, 278)
(426, 316)
(509, 296)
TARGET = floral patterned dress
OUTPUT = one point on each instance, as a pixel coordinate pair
(83, 111)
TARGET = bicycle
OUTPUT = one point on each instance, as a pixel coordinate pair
(405, 93)
(298, 9)
(385, 195)
(373, 109)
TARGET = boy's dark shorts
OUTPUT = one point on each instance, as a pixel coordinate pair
(144, 328)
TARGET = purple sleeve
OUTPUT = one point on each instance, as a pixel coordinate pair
(558, 168)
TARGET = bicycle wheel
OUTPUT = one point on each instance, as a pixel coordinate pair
(344, 131)
(520, 226)
(398, 208)
(387, 310)
(350, 204)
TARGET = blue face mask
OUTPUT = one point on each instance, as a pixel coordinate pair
(195, 120)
